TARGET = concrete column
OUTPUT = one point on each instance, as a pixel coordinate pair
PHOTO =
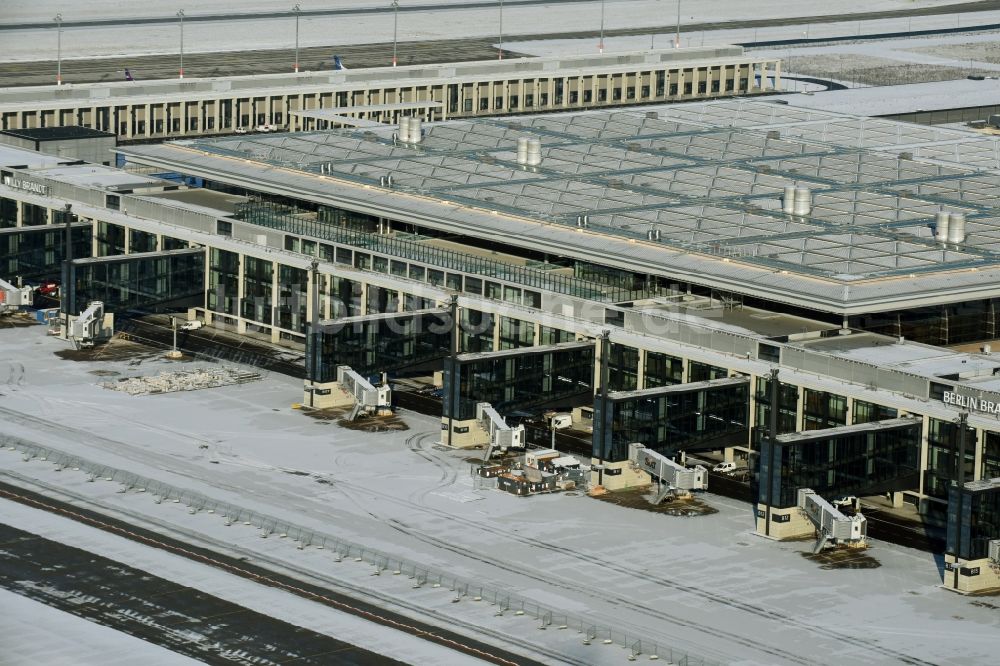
(800, 409)
(977, 466)
(275, 297)
(925, 423)
(129, 121)
(148, 111)
(777, 75)
(640, 380)
(241, 324)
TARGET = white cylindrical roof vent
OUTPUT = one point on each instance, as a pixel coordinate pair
(404, 129)
(534, 152)
(941, 226)
(788, 200)
(522, 150)
(956, 228)
(803, 201)
(416, 130)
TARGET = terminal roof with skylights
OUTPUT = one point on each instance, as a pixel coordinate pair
(688, 191)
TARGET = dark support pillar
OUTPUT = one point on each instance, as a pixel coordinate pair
(67, 288)
(601, 431)
(772, 434)
(313, 363)
(453, 353)
(963, 422)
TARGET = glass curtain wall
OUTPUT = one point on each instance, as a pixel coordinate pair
(854, 463)
(143, 283)
(706, 417)
(223, 282)
(517, 382)
(623, 364)
(293, 298)
(258, 277)
(39, 252)
(973, 519)
(663, 370)
(823, 410)
(943, 454)
(379, 344)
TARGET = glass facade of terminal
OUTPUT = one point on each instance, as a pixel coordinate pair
(517, 382)
(381, 343)
(110, 239)
(788, 396)
(943, 454)
(150, 282)
(38, 251)
(836, 463)
(223, 282)
(685, 418)
(663, 370)
(973, 519)
(258, 281)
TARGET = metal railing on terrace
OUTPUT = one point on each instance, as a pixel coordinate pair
(290, 220)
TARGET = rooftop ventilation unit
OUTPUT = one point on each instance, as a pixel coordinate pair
(522, 150)
(941, 220)
(803, 201)
(773, 134)
(404, 129)
(788, 200)
(956, 228)
(582, 221)
(534, 152)
(653, 235)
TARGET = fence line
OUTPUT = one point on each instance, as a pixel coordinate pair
(343, 549)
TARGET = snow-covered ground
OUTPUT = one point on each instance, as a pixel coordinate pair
(33, 633)
(39, 620)
(705, 585)
(437, 23)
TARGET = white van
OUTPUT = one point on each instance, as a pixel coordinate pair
(725, 468)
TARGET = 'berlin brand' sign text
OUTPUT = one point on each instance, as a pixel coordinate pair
(971, 403)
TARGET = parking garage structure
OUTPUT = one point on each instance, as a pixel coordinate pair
(663, 229)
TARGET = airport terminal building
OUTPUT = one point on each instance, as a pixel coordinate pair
(172, 109)
(809, 291)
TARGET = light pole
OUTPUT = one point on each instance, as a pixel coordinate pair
(58, 20)
(296, 10)
(395, 26)
(180, 15)
(600, 44)
(677, 37)
(500, 56)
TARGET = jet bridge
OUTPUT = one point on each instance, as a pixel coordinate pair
(367, 398)
(502, 436)
(673, 477)
(833, 526)
(12, 298)
(92, 325)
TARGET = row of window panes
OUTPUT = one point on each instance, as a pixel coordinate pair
(436, 277)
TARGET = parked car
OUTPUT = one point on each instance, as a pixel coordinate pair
(725, 468)
(48, 288)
